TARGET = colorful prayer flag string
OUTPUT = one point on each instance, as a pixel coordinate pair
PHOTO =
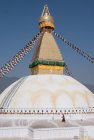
(67, 71)
(78, 50)
(19, 56)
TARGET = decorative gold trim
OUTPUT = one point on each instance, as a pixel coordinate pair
(45, 24)
(46, 67)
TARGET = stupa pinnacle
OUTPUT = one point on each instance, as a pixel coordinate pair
(46, 20)
(47, 58)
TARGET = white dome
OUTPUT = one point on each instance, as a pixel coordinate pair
(46, 91)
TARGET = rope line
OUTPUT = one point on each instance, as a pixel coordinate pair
(78, 50)
(19, 56)
(67, 70)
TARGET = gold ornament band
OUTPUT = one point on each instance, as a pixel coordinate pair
(47, 67)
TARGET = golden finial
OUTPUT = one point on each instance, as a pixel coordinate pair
(46, 20)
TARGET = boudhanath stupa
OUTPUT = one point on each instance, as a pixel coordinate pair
(47, 104)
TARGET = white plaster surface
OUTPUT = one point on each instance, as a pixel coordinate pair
(46, 91)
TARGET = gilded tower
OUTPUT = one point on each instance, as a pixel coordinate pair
(47, 58)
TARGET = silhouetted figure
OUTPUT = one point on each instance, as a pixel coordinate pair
(63, 118)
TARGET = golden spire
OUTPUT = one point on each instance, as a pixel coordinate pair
(46, 20)
(47, 58)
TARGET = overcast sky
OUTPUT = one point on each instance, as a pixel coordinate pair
(74, 19)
